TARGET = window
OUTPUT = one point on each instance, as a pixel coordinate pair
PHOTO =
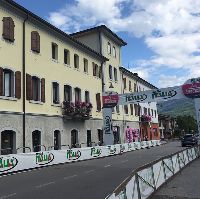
(114, 52)
(85, 61)
(135, 87)
(145, 111)
(66, 57)
(95, 69)
(35, 41)
(124, 82)
(126, 109)
(54, 47)
(110, 72)
(136, 109)
(113, 109)
(115, 74)
(149, 112)
(131, 107)
(67, 93)
(8, 29)
(98, 101)
(36, 88)
(55, 86)
(155, 113)
(77, 94)
(130, 86)
(152, 112)
(76, 61)
(87, 96)
(109, 48)
(8, 83)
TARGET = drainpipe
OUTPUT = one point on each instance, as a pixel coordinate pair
(23, 82)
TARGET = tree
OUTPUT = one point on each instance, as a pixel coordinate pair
(186, 124)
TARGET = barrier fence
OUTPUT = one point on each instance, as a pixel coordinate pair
(25, 161)
(144, 181)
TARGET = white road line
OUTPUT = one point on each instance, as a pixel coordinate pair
(44, 185)
(89, 171)
(124, 161)
(107, 165)
(8, 196)
(69, 177)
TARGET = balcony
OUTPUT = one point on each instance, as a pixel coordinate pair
(145, 118)
(76, 111)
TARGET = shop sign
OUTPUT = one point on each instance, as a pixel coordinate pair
(110, 101)
(95, 152)
(164, 94)
(44, 158)
(191, 90)
(73, 155)
(7, 163)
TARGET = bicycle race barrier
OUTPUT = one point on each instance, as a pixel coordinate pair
(144, 181)
(27, 161)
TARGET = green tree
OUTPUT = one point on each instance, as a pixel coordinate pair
(186, 123)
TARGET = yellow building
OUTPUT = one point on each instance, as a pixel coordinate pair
(51, 83)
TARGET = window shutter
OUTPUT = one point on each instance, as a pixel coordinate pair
(94, 69)
(43, 90)
(6, 28)
(12, 32)
(100, 71)
(35, 41)
(18, 84)
(1, 81)
(98, 100)
(38, 42)
(28, 87)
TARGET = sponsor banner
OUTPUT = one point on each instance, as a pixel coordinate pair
(158, 174)
(146, 182)
(155, 95)
(143, 144)
(191, 90)
(110, 101)
(185, 156)
(132, 189)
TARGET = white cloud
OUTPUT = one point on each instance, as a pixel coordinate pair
(170, 28)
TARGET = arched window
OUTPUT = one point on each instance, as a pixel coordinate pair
(77, 95)
(76, 61)
(74, 138)
(8, 142)
(36, 140)
(57, 140)
(67, 93)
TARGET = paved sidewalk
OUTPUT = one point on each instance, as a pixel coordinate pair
(186, 185)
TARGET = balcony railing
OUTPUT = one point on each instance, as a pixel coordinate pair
(77, 110)
(145, 118)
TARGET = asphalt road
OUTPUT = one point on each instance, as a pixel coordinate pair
(93, 179)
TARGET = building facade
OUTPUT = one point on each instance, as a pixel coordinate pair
(51, 83)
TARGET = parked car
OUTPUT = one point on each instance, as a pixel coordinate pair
(189, 140)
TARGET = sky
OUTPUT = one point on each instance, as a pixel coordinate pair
(163, 36)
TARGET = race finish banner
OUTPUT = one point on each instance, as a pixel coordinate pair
(191, 89)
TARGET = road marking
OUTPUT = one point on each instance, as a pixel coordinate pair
(68, 177)
(8, 196)
(89, 171)
(44, 185)
(107, 165)
(124, 161)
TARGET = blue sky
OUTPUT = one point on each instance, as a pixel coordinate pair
(163, 36)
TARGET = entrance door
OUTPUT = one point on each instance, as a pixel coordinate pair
(57, 140)
(116, 132)
(7, 142)
(36, 137)
(89, 138)
(74, 138)
(100, 136)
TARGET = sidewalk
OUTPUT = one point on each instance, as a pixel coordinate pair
(185, 185)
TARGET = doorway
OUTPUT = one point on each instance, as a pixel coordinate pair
(57, 140)
(36, 139)
(74, 138)
(7, 142)
(100, 136)
(89, 138)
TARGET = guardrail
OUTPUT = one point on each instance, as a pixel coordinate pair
(25, 161)
(144, 181)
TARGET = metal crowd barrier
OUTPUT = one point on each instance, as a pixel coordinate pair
(144, 181)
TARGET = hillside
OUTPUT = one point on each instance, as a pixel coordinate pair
(177, 107)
